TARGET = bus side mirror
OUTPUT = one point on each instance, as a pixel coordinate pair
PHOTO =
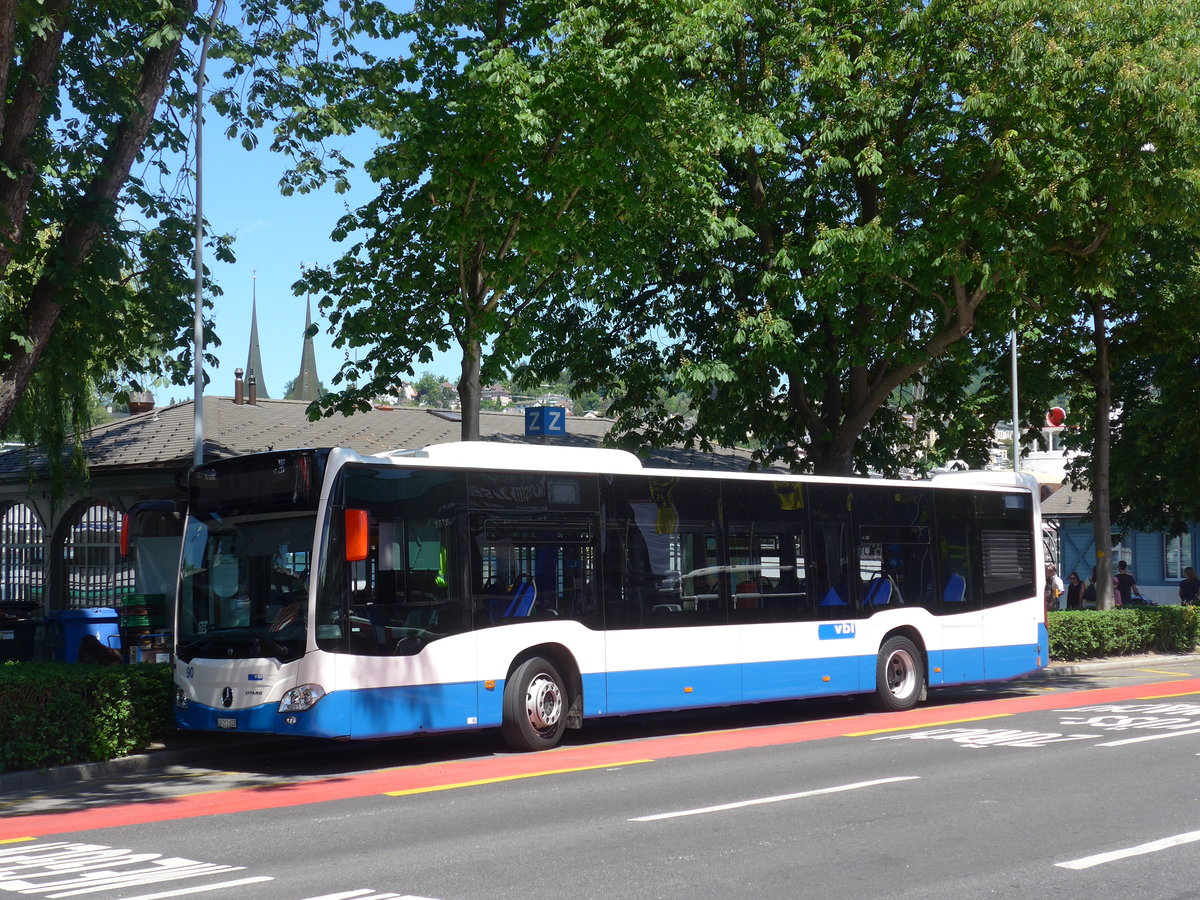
(357, 543)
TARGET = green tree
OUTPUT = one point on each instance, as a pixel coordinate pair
(1156, 360)
(934, 167)
(94, 252)
(517, 138)
(434, 390)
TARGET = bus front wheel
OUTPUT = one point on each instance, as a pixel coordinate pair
(899, 674)
(535, 706)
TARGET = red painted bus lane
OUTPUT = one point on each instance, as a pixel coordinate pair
(464, 773)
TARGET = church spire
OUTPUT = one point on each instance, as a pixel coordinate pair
(254, 368)
(307, 387)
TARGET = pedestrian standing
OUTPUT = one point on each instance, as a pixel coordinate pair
(1054, 588)
(1089, 591)
(1075, 591)
(1189, 588)
(1125, 583)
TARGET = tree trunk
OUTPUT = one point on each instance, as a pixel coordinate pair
(84, 222)
(1101, 452)
(835, 457)
(469, 389)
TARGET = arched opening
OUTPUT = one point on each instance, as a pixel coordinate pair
(94, 574)
(22, 555)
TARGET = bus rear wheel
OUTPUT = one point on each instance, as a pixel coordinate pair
(535, 706)
(899, 674)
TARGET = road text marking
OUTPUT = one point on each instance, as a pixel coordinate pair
(70, 869)
(779, 799)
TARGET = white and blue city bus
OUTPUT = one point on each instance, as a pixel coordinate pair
(530, 588)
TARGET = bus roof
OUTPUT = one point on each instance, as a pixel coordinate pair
(542, 458)
(554, 458)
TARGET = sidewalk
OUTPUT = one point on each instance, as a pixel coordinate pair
(207, 751)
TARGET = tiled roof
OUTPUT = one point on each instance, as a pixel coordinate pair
(1066, 501)
(163, 438)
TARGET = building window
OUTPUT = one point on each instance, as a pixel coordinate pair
(1122, 551)
(94, 572)
(1177, 555)
(22, 556)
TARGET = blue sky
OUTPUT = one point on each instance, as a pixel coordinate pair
(275, 236)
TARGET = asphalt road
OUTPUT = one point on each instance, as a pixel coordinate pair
(1077, 785)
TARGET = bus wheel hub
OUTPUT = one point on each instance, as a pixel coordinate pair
(543, 702)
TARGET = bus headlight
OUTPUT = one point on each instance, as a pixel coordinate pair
(180, 698)
(301, 698)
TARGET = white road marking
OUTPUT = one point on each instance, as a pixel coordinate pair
(1149, 737)
(1152, 847)
(761, 800)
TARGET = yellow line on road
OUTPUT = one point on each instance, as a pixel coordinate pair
(928, 725)
(1162, 672)
(463, 784)
(1164, 696)
(16, 840)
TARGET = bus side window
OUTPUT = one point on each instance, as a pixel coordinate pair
(959, 588)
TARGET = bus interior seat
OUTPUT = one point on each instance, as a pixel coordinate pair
(879, 592)
(522, 599)
(955, 590)
(833, 597)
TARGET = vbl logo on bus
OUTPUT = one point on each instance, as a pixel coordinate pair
(835, 630)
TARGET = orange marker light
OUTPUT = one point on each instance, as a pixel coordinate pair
(357, 534)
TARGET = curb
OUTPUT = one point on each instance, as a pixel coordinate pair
(1085, 666)
(75, 772)
(153, 759)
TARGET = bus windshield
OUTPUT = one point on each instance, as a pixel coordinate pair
(244, 586)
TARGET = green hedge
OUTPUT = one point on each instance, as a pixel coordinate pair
(57, 713)
(1086, 634)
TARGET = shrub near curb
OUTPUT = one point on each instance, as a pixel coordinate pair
(57, 713)
(1086, 634)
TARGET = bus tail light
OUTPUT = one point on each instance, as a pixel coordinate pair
(357, 543)
(298, 699)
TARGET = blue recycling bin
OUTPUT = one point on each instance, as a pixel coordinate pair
(65, 628)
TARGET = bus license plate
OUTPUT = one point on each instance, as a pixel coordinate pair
(226, 722)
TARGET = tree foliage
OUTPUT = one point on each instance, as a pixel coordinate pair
(1155, 358)
(930, 169)
(816, 222)
(518, 139)
(95, 226)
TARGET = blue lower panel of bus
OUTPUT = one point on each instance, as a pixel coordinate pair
(650, 690)
(979, 664)
(255, 720)
(369, 713)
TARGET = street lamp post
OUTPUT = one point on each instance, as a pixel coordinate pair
(1016, 440)
(198, 257)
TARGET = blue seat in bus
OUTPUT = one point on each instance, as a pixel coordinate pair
(955, 590)
(522, 600)
(879, 592)
(833, 597)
